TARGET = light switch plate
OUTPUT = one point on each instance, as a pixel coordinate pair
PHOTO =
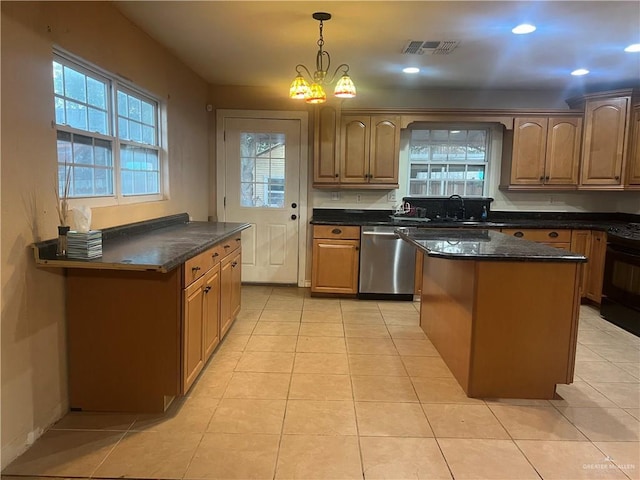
(391, 196)
(335, 196)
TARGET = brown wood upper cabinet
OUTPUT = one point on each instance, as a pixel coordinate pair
(370, 148)
(633, 171)
(545, 153)
(326, 163)
(605, 138)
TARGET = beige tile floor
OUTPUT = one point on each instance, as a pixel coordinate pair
(338, 389)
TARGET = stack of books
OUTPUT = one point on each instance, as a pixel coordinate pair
(84, 245)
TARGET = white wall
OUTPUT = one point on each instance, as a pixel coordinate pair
(32, 342)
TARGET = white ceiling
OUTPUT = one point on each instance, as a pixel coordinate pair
(259, 43)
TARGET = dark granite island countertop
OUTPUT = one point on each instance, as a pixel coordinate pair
(483, 245)
(156, 245)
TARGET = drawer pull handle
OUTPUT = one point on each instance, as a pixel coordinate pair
(336, 231)
(195, 269)
(518, 234)
(238, 239)
(553, 234)
(227, 246)
(215, 255)
(206, 290)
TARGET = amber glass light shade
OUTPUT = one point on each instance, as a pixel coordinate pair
(345, 87)
(316, 94)
(299, 88)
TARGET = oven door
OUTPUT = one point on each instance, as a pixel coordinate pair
(621, 288)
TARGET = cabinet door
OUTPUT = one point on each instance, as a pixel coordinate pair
(529, 148)
(355, 138)
(633, 157)
(193, 356)
(335, 266)
(211, 313)
(236, 283)
(581, 243)
(596, 266)
(604, 141)
(384, 150)
(226, 276)
(563, 151)
(325, 152)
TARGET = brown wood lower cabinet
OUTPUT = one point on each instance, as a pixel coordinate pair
(505, 329)
(138, 339)
(230, 271)
(336, 259)
(595, 277)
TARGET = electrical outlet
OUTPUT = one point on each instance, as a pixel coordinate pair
(391, 196)
(358, 198)
(335, 196)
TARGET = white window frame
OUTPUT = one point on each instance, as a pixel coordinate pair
(115, 84)
(453, 126)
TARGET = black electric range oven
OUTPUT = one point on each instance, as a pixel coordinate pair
(621, 285)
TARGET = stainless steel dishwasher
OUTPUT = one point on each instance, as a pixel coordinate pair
(387, 264)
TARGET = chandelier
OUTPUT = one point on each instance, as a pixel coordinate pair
(313, 91)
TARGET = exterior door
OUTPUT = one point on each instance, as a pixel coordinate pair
(262, 187)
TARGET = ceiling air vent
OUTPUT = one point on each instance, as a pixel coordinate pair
(431, 47)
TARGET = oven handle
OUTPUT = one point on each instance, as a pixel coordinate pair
(618, 251)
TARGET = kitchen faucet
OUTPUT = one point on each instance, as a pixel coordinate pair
(462, 209)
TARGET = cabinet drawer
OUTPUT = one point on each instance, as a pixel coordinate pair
(336, 231)
(540, 235)
(196, 267)
(229, 245)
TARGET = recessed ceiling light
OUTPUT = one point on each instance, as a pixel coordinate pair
(523, 28)
(634, 47)
(411, 70)
(579, 72)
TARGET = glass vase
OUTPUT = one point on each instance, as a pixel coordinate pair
(61, 250)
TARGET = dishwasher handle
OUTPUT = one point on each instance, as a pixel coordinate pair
(381, 234)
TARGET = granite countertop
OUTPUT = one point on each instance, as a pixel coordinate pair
(483, 245)
(500, 219)
(160, 248)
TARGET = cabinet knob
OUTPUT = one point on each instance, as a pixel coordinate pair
(337, 175)
(617, 177)
(195, 269)
(234, 264)
(227, 246)
(206, 290)
(553, 234)
(518, 234)
(216, 254)
(238, 239)
(542, 178)
(336, 231)
(547, 177)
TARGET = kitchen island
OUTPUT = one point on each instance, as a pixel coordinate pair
(501, 311)
(144, 318)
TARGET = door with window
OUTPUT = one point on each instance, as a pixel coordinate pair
(261, 186)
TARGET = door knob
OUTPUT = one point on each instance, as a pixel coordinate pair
(294, 216)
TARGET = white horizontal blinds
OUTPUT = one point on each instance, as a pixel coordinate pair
(106, 129)
(447, 161)
(262, 160)
(139, 143)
